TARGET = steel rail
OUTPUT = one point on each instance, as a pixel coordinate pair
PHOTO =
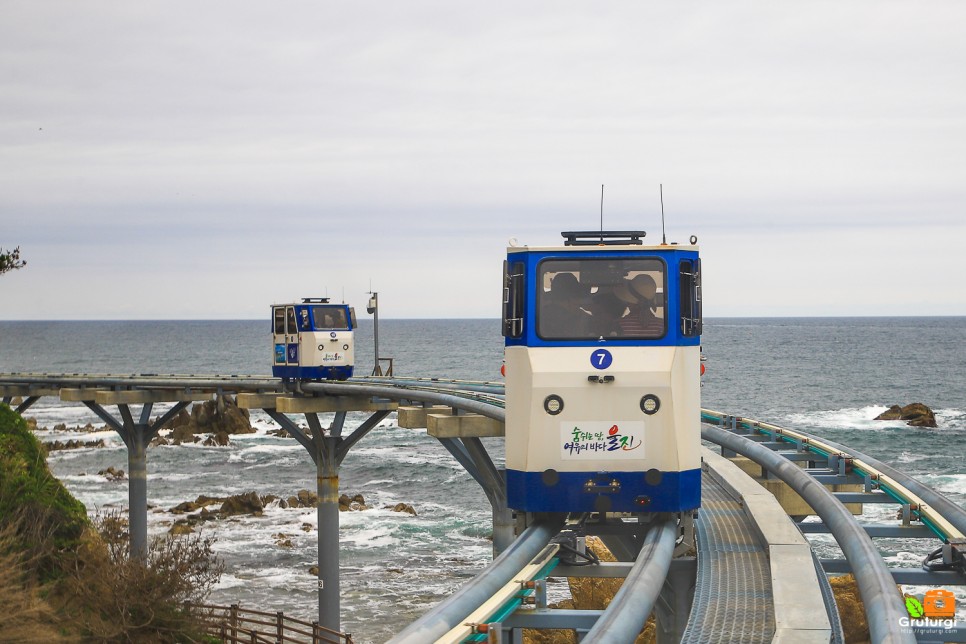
(470, 400)
(442, 383)
(946, 519)
(883, 605)
(452, 610)
(470, 404)
(627, 612)
(167, 381)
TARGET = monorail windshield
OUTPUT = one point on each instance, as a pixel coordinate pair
(330, 317)
(584, 299)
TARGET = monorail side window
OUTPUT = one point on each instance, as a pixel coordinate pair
(690, 295)
(513, 299)
(280, 320)
(584, 299)
(291, 326)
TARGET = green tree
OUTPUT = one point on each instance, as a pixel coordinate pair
(10, 260)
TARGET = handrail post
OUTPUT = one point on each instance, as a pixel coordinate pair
(233, 621)
(279, 627)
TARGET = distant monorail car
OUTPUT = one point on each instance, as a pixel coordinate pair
(602, 363)
(313, 340)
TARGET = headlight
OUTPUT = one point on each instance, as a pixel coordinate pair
(553, 404)
(650, 404)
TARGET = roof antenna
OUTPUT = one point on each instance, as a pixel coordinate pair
(601, 213)
(663, 235)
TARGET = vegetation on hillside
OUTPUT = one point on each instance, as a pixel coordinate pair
(65, 578)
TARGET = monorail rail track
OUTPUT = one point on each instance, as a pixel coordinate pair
(805, 463)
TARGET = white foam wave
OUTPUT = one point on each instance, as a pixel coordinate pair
(946, 483)
(379, 535)
(850, 418)
(863, 418)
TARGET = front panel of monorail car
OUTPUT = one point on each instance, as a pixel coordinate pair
(602, 377)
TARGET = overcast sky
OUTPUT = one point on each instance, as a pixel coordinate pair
(206, 159)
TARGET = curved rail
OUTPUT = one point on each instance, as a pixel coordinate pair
(946, 519)
(876, 586)
(452, 610)
(627, 612)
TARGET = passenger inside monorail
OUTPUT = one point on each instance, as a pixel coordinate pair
(601, 298)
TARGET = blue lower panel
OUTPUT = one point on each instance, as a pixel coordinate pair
(653, 491)
(312, 373)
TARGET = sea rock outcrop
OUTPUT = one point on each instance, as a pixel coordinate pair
(248, 503)
(221, 418)
(402, 507)
(916, 415)
(56, 446)
(112, 474)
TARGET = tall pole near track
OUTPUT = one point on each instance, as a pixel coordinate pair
(373, 308)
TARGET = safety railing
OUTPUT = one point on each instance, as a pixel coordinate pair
(235, 625)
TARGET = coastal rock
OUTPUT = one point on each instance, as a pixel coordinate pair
(72, 444)
(917, 415)
(248, 503)
(201, 502)
(112, 474)
(221, 416)
(402, 507)
(218, 439)
(356, 503)
(183, 433)
(303, 499)
(181, 528)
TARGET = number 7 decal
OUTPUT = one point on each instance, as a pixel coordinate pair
(601, 359)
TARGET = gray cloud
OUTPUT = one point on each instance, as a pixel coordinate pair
(252, 142)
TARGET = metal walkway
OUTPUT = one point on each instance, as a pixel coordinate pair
(733, 595)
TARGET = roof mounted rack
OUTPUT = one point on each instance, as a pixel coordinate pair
(603, 238)
(315, 300)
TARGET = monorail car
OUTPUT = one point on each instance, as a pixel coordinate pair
(313, 340)
(602, 362)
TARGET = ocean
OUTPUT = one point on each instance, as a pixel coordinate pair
(828, 376)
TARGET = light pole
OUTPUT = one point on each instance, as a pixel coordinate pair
(373, 308)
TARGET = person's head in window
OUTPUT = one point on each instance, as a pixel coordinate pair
(643, 287)
(565, 288)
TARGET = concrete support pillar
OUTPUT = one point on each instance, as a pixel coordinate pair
(328, 448)
(137, 488)
(327, 469)
(136, 434)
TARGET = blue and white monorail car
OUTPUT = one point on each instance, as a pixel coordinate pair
(603, 404)
(313, 340)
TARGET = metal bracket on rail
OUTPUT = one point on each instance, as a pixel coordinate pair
(871, 482)
(539, 597)
(909, 512)
(841, 462)
(492, 630)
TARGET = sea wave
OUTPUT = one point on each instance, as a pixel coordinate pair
(863, 419)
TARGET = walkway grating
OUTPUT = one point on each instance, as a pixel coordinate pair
(733, 594)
